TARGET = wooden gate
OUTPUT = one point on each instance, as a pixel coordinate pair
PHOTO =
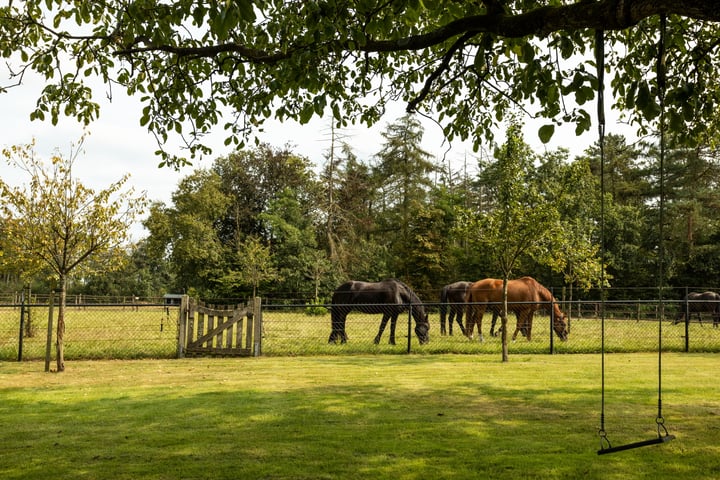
(219, 331)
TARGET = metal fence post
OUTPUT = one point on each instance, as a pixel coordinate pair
(552, 331)
(552, 321)
(22, 325)
(687, 321)
(409, 343)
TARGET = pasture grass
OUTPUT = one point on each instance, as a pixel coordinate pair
(358, 417)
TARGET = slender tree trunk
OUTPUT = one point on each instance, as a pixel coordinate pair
(60, 347)
(504, 321)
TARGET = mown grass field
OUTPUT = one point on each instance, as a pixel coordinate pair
(358, 417)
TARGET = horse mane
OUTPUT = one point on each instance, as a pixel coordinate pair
(409, 296)
(406, 291)
(545, 294)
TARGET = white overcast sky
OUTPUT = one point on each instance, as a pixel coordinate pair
(117, 144)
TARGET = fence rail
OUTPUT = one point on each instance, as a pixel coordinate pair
(142, 330)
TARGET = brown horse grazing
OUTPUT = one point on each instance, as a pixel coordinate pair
(525, 296)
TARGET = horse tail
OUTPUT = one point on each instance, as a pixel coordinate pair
(443, 301)
(470, 313)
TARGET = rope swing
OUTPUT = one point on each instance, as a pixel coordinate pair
(662, 433)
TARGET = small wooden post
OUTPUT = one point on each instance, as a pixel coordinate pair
(182, 325)
(238, 316)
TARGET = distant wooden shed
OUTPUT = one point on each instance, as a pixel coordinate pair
(172, 299)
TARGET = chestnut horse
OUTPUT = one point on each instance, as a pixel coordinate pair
(525, 296)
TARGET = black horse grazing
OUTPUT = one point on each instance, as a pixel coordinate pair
(706, 302)
(452, 296)
(389, 297)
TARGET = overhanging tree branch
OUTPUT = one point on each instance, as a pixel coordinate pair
(540, 22)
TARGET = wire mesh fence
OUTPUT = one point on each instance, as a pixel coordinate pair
(630, 326)
(92, 331)
(142, 330)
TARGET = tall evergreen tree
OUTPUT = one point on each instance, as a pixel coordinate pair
(401, 176)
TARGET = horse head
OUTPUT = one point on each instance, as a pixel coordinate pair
(422, 330)
(560, 326)
(422, 324)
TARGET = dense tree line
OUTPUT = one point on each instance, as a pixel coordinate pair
(270, 221)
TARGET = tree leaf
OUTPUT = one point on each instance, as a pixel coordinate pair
(546, 132)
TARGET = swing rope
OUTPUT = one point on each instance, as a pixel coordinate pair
(600, 65)
(661, 250)
(662, 433)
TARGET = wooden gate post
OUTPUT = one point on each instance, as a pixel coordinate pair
(182, 325)
(257, 322)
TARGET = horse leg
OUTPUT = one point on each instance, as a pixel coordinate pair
(338, 326)
(443, 314)
(474, 316)
(393, 323)
(459, 318)
(493, 333)
(517, 329)
(519, 324)
(470, 321)
(528, 325)
(383, 323)
(479, 323)
(343, 333)
(478, 320)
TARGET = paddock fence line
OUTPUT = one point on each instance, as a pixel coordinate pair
(92, 331)
(631, 326)
(151, 330)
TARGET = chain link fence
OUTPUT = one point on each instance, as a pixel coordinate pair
(149, 330)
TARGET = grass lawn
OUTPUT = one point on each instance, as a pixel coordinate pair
(351, 417)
